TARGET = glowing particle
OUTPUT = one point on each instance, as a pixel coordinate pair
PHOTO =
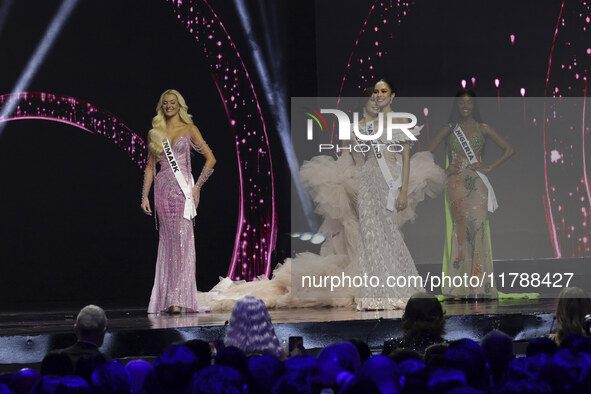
(555, 156)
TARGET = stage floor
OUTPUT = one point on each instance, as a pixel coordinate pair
(35, 323)
(25, 338)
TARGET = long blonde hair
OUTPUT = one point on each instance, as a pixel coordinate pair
(158, 132)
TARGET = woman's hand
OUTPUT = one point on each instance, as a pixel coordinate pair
(401, 201)
(196, 193)
(452, 170)
(146, 206)
(480, 167)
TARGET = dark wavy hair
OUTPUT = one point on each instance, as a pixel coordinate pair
(388, 81)
(423, 316)
(455, 115)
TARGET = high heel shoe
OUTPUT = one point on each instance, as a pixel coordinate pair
(174, 310)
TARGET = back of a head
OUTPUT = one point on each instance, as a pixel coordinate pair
(234, 358)
(137, 371)
(202, 350)
(435, 355)
(362, 349)
(24, 380)
(175, 368)
(359, 385)
(86, 365)
(573, 306)
(344, 354)
(250, 329)
(567, 372)
(73, 385)
(218, 379)
(300, 364)
(446, 379)
(292, 383)
(48, 384)
(542, 345)
(498, 349)
(525, 368)
(467, 355)
(91, 321)
(111, 378)
(383, 372)
(57, 363)
(423, 316)
(401, 355)
(265, 371)
(415, 376)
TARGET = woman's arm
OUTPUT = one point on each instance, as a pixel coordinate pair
(508, 149)
(148, 179)
(210, 161)
(201, 146)
(402, 200)
(435, 142)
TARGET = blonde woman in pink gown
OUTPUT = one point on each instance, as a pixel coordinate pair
(176, 198)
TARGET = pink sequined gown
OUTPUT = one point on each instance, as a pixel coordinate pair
(175, 283)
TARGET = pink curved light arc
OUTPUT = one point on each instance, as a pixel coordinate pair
(260, 111)
(255, 238)
(62, 109)
(399, 6)
(548, 203)
(240, 195)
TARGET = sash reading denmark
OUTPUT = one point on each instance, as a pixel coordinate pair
(189, 212)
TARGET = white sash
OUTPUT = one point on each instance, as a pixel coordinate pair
(190, 212)
(465, 144)
(393, 185)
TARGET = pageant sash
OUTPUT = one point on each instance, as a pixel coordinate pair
(465, 144)
(393, 185)
(189, 212)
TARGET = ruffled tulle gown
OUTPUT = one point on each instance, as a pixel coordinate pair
(175, 281)
(335, 186)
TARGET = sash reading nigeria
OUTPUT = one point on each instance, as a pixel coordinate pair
(375, 140)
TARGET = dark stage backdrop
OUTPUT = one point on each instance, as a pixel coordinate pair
(427, 48)
(71, 226)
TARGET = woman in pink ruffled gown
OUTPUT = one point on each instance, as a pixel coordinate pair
(176, 196)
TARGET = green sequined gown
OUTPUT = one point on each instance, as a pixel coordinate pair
(467, 250)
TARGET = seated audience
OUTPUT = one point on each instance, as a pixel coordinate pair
(175, 368)
(498, 349)
(423, 323)
(219, 379)
(467, 356)
(90, 329)
(111, 378)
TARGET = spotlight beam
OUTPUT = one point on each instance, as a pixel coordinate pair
(4, 11)
(275, 95)
(38, 57)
